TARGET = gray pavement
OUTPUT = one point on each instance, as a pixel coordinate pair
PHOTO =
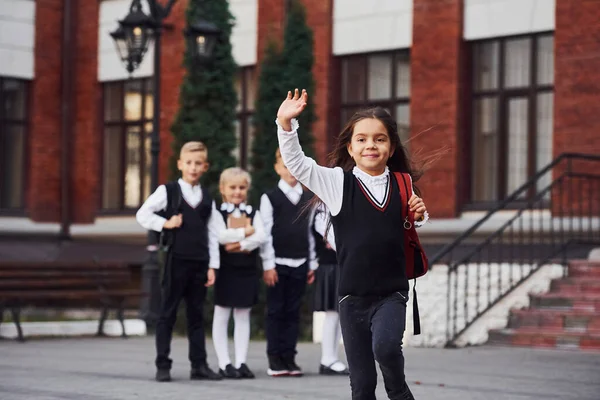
(117, 369)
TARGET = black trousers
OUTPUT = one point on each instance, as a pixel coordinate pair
(372, 328)
(283, 310)
(183, 279)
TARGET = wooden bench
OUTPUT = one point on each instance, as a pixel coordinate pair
(61, 285)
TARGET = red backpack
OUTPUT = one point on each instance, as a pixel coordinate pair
(416, 261)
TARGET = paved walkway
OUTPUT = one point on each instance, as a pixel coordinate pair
(116, 369)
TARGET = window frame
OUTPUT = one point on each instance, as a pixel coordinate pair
(391, 103)
(123, 124)
(245, 114)
(503, 95)
(25, 123)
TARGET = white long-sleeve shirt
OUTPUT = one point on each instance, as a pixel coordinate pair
(326, 183)
(267, 252)
(234, 235)
(320, 223)
(192, 194)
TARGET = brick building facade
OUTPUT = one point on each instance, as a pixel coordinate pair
(502, 87)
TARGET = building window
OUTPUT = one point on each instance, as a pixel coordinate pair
(245, 86)
(512, 106)
(378, 79)
(13, 130)
(128, 107)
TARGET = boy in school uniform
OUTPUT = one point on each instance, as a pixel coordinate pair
(193, 254)
(289, 263)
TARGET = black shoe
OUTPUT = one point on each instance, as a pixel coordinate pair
(277, 367)
(163, 375)
(245, 372)
(327, 370)
(230, 372)
(204, 373)
(292, 367)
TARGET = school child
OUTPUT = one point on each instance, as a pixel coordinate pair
(236, 286)
(190, 228)
(363, 197)
(326, 289)
(286, 256)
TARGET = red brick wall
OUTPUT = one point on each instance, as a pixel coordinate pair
(86, 161)
(172, 73)
(435, 100)
(271, 22)
(577, 88)
(319, 15)
(43, 186)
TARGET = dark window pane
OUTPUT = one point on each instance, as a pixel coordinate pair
(113, 101)
(545, 60)
(545, 109)
(12, 154)
(133, 164)
(14, 99)
(353, 79)
(238, 84)
(380, 76)
(250, 138)
(113, 167)
(518, 144)
(148, 161)
(133, 100)
(236, 152)
(149, 105)
(517, 72)
(485, 150)
(402, 75)
(486, 64)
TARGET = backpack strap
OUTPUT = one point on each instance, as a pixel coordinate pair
(173, 198)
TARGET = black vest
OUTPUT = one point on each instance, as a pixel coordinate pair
(290, 225)
(369, 241)
(324, 255)
(246, 262)
(191, 239)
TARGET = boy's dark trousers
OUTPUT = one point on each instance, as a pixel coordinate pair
(283, 310)
(372, 328)
(182, 279)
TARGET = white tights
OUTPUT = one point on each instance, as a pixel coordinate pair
(331, 339)
(241, 334)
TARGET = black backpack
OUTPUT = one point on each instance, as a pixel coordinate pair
(164, 239)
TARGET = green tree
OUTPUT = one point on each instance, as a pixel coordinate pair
(207, 97)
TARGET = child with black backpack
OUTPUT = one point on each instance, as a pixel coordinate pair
(186, 215)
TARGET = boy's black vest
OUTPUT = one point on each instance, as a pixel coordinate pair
(324, 255)
(290, 225)
(370, 241)
(244, 262)
(190, 241)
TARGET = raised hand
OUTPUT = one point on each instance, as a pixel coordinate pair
(291, 107)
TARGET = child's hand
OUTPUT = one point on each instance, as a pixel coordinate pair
(270, 277)
(291, 108)
(174, 222)
(310, 278)
(417, 206)
(233, 247)
(210, 278)
(249, 229)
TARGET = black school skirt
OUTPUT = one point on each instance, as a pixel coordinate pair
(236, 287)
(326, 288)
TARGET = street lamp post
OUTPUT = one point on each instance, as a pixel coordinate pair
(132, 39)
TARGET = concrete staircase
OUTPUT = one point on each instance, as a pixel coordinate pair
(568, 316)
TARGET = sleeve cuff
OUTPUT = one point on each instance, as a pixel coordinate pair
(314, 265)
(268, 266)
(213, 266)
(280, 129)
(158, 224)
(423, 220)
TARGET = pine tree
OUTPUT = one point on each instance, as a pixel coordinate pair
(207, 97)
(298, 61)
(269, 96)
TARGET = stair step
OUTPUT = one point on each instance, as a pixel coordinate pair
(581, 301)
(544, 337)
(583, 268)
(580, 284)
(575, 320)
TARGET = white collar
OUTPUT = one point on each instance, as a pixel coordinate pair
(183, 183)
(229, 207)
(372, 180)
(286, 188)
